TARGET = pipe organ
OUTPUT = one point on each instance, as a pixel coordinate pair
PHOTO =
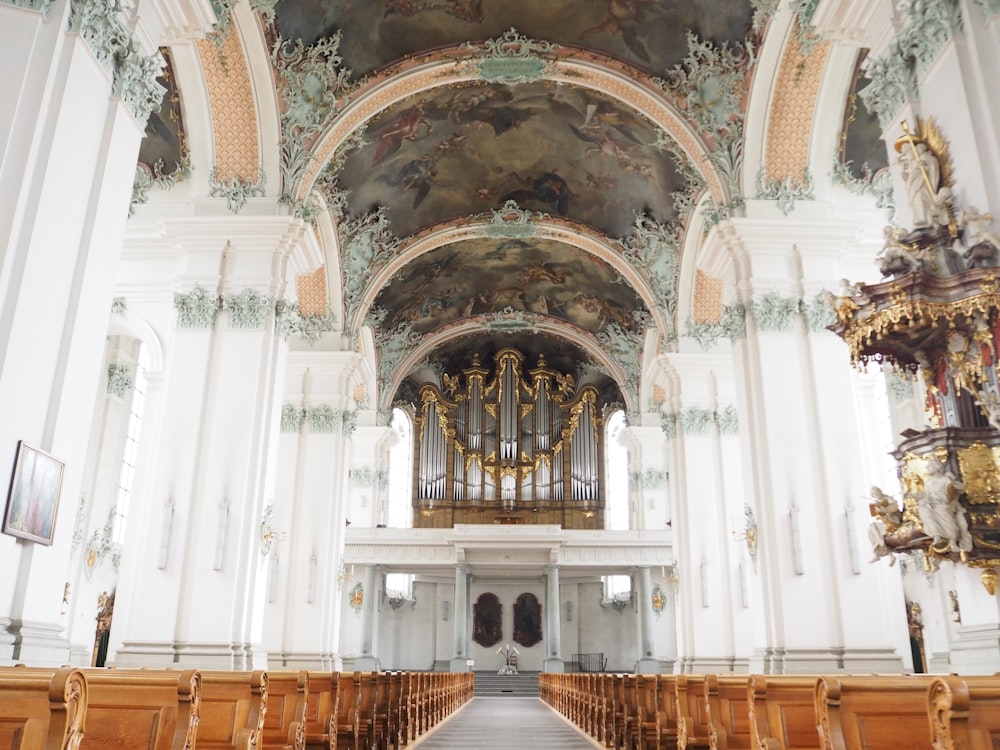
(504, 447)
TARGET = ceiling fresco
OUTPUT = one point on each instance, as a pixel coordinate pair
(648, 34)
(558, 149)
(483, 276)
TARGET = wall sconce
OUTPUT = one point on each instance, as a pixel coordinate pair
(569, 611)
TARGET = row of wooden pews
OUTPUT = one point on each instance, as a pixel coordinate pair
(162, 709)
(780, 712)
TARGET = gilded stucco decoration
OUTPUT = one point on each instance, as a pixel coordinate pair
(707, 306)
(784, 176)
(236, 143)
(311, 292)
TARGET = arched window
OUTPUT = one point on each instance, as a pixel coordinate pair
(127, 473)
(400, 509)
(617, 513)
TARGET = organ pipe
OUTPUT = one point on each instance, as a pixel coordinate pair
(511, 438)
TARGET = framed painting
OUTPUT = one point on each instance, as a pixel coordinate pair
(34, 495)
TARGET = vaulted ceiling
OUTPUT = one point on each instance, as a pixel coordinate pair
(507, 173)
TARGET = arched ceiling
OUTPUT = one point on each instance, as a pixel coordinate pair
(510, 174)
(543, 148)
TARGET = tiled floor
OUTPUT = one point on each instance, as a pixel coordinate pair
(505, 724)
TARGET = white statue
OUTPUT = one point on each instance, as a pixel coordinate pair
(888, 517)
(981, 242)
(898, 258)
(941, 515)
(922, 175)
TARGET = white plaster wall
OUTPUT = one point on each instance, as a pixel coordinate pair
(530, 658)
(602, 629)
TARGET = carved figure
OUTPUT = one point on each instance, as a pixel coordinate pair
(922, 175)
(941, 515)
(982, 243)
(888, 517)
(898, 258)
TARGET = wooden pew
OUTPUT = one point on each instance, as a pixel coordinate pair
(965, 712)
(349, 698)
(233, 707)
(367, 726)
(155, 709)
(692, 712)
(728, 711)
(666, 710)
(873, 712)
(647, 719)
(285, 719)
(321, 711)
(42, 710)
(783, 712)
(608, 730)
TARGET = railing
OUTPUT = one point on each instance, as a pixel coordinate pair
(589, 662)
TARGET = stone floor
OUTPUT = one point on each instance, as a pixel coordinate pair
(505, 724)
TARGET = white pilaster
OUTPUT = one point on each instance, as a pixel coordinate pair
(553, 661)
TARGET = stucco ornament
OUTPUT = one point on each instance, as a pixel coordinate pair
(196, 309)
(121, 378)
(708, 86)
(313, 86)
(731, 325)
(367, 245)
(876, 184)
(818, 312)
(651, 249)
(289, 321)
(728, 420)
(786, 191)
(235, 189)
(393, 346)
(773, 313)
(931, 24)
(511, 58)
(146, 179)
(100, 24)
(40, 5)
(624, 346)
(668, 423)
(324, 418)
(696, 420)
(511, 222)
(292, 417)
(119, 306)
(248, 309)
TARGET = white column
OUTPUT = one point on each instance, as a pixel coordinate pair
(304, 605)
(70, 148)
(367, 662)
(553, 661)
(459, 661)
(208, 517)
(799, 441)
(647, 662)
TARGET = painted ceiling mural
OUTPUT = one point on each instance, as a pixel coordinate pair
(557, 149)
(449, 152)
(648, 34)
(485, 276)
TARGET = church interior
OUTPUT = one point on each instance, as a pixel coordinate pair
(627, 336)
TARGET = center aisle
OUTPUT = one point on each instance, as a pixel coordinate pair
(505, 724)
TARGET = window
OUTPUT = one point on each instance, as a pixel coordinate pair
(127, 474)
(616, 514)
(400, 512)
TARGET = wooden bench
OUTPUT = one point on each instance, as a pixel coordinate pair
(965, 712)
(666, 709)
(233, 706)
(783, 712)
(42, 710)
(285, 719)
(154, 709)
(728, 711)
(321, 711)
(873, 712)
(692, 712)
(349, 695)
(647, 718)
